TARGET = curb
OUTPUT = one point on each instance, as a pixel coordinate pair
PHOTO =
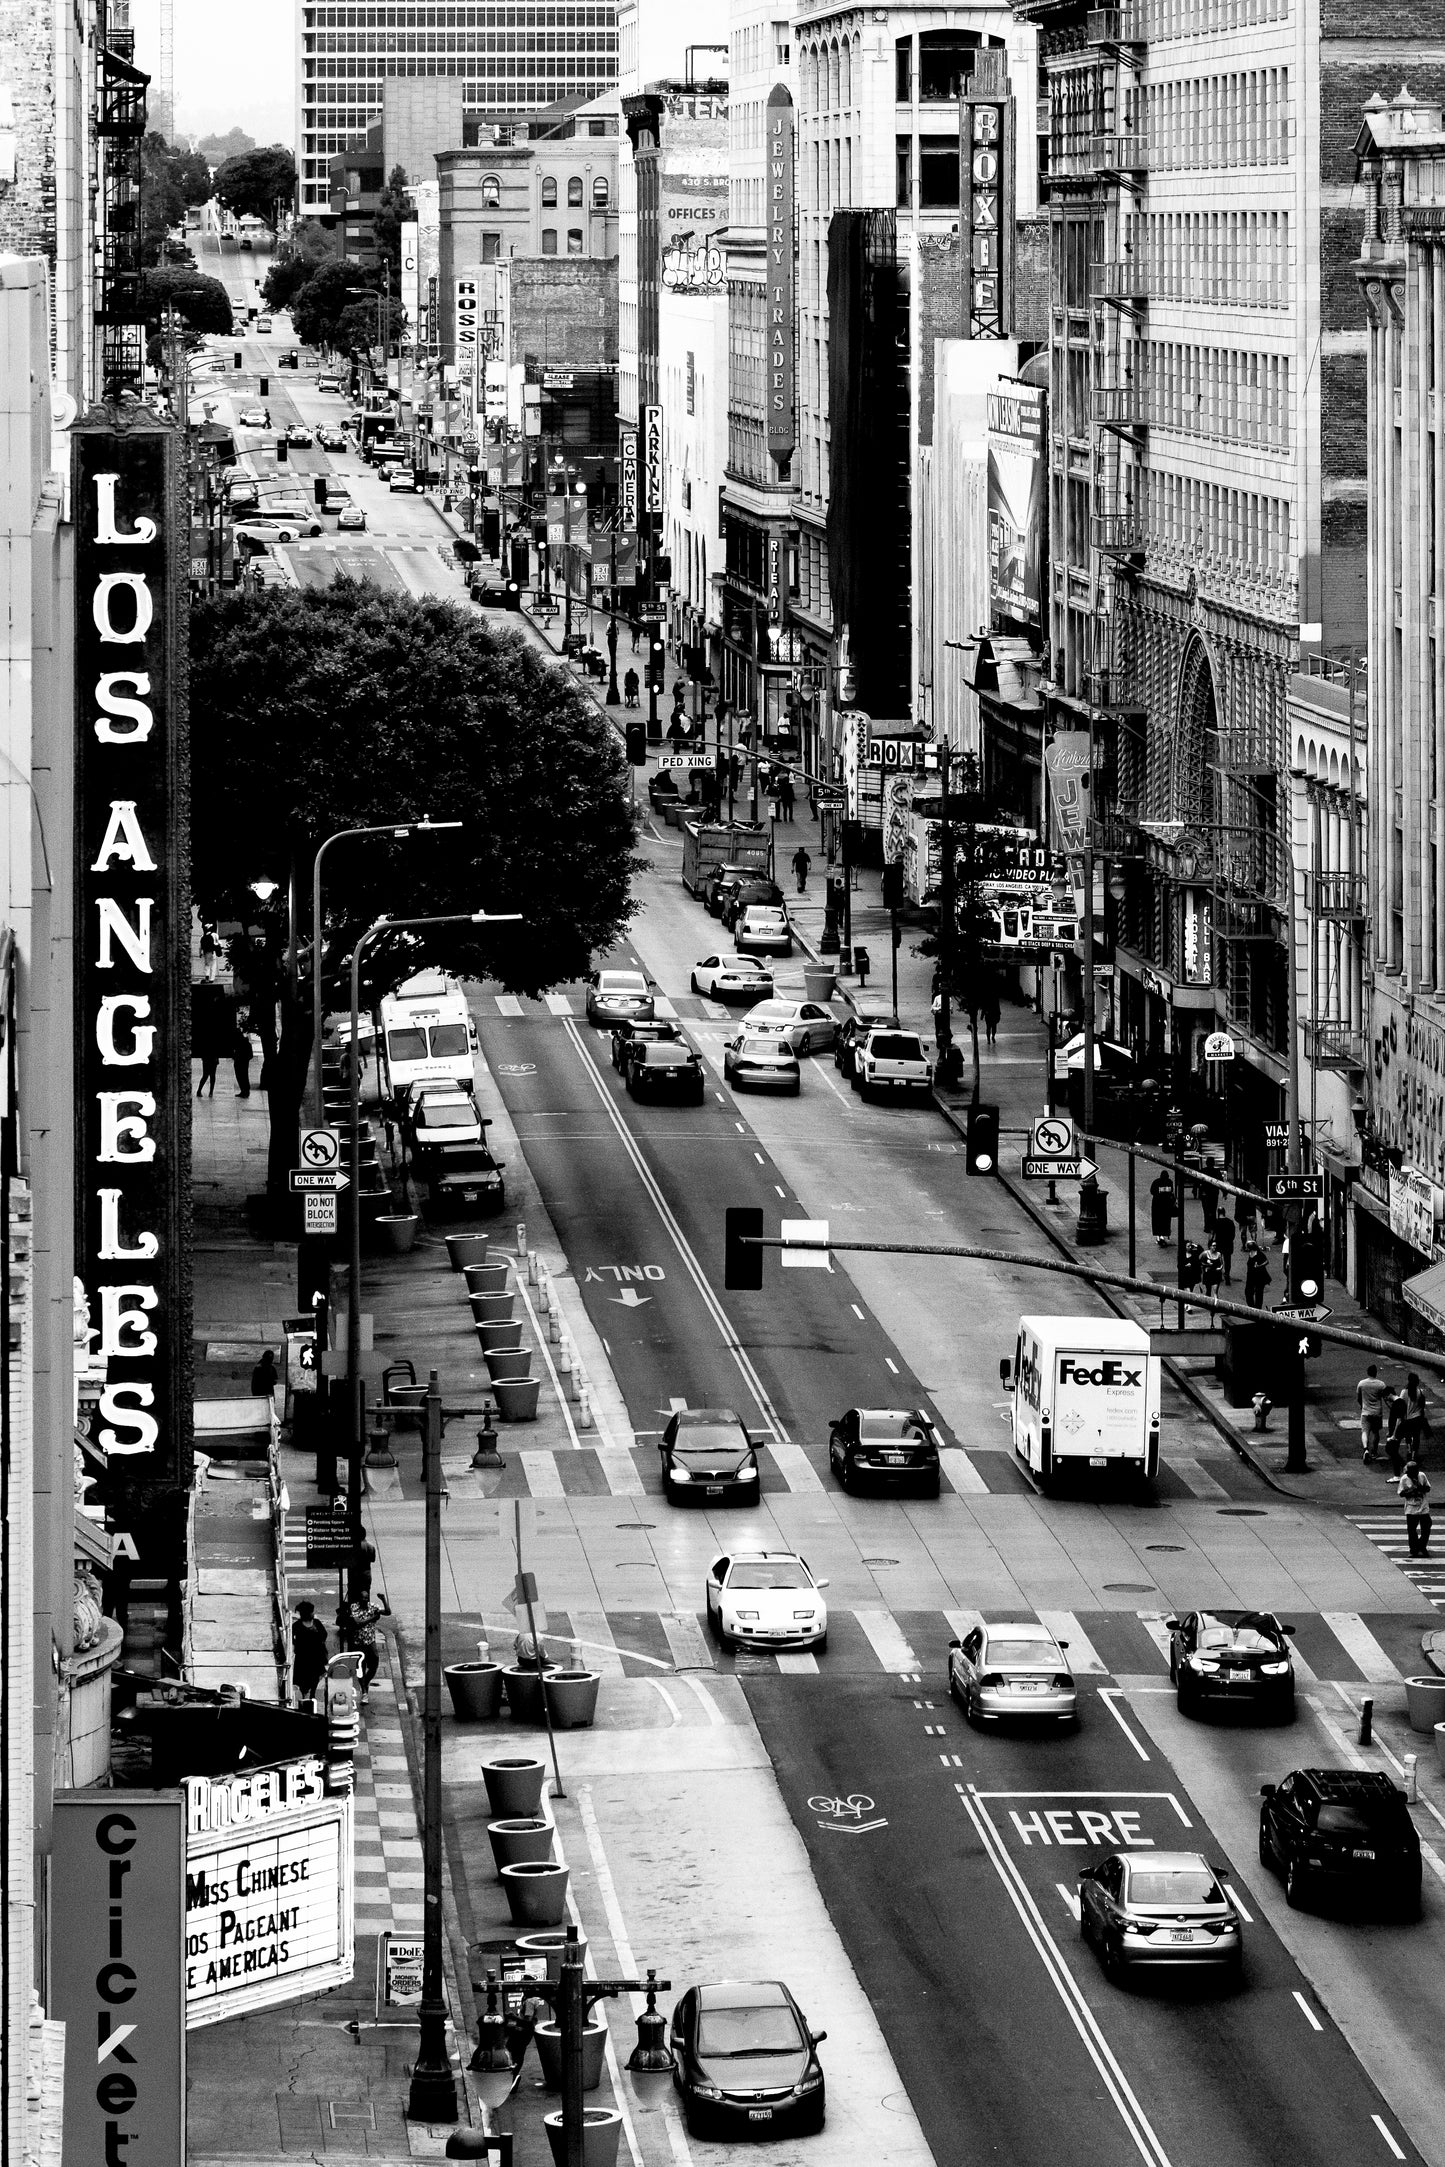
(1432, 1647)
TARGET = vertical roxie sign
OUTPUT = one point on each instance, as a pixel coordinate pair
(133, 951)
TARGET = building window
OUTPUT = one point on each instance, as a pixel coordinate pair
(945, 63)
(939, 185)
(574, 240)
(597, 127)
(600, 193)
(491, 192)
(903, 169)
(549, 240)
(491, 248)
(549, 191)
(782, 44)
(574, 192)
(903, 71)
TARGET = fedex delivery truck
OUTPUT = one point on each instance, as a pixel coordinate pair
(1086, 1394)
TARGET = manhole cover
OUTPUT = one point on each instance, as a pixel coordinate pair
(880, 1561)
(1163, 1546)
(1242, 1512)
(625, 1526)
(1129, 1587)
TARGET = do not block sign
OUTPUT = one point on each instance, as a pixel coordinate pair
(320, 1211)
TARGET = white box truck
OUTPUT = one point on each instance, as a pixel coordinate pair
(1085, 1394)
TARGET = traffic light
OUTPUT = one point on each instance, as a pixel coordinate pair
(637, 743)
(742, 1264)
(656, 660)
(235, 361)
(283, 452)
(893, 885)
(982, 1140)
(263, 385)
(1306, 1261)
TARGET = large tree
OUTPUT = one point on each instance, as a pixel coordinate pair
(233, 144)
(172, 178)
(393, 208)
(300, 258)
(319, 308)
(201, 303)
(255, 183)
(345, 707)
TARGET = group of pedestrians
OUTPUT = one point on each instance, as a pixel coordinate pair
(356, 1623)
(1210, 1263)
(1400, 1420)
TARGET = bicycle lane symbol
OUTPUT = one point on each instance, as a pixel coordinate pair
(845, 1816)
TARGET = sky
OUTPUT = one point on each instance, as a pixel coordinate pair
(234, 64)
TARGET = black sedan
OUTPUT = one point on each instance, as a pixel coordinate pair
(1232, 1659)
(851, 1034)
(707, 1454)
(885, 1445)
(715, 882)
(1341, 1832)
(627, 1036)
(745, 2061)
(755, 888)
(666, 1069)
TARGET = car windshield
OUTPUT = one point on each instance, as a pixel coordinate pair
(1247, 1638)
(763, 1048)
(771, 1012)
(889, 1426)
(708, 1437)
(896, 1046)
(768, 1573)
(448, 1040)
(1013, 1654)
(406, 1045)
(734, 2034)
(1165, 1886)
(448, 1117)
(622, 982)
(1343, 1821)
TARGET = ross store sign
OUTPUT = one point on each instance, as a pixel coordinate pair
(652, 458)
(268, 1890)
(132, 1065)
(781, 287)
(986, 166)
(628, 492)
(468, 340)
(118, 1884)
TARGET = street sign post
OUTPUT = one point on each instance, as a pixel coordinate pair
(1036, 1169)
(329, 1183)
(1295, 1188)
(319, 1215)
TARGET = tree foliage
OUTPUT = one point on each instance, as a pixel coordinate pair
(319, 308)
(962, 962)
(201, 303)
(253, 184)
(309, 247)
(233, 144)
(394, 206)
(172, 178)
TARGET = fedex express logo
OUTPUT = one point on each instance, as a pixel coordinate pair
(1107, 1372)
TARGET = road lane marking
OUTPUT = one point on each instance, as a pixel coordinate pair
(740, 1129)
(960, 1473)
(886, 1639)
(821, 1069)
(781, 1192)
(1383, 2128)
(1237, 1904)
(1361, 1646)
(1309, 2016)
(759, 1157)
(1108, 1695)
(798, 1665)
(619, 1470)
(508, 1004)
(892, 1364)
(558, 1004)
(857, 1312)
(1071, 1899)
(1084, 1658)
(622, 1945)
(1432, 1859)
(1153, 1624)
(661, 1006)
(718, 1095)
(1070, 1993)
(1195, 1478)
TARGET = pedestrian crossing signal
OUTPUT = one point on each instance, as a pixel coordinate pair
(637, 743)
(742, 1262)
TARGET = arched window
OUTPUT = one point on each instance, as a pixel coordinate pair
(574, 240)
(833, 78)
(600, 193)
(491, 192)
(549, 191)
(574, 191)
(845, 75)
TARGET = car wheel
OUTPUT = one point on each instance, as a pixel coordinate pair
(1294, 1885)
(1112, 1957)
(1267, 1858)
(934, 1486)
(970, 1711)
(1186, 1698)
(798, 1088)
(845, 1474)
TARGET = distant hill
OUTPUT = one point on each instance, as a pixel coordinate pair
(233, 144)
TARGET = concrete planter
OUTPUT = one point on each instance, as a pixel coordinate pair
(476, 1691)
(1425, 1699)
(466, 1249)
(517, 1398)
(523, 1686)
(548, 2036)
(513, 1364)
(1440, 1746)
(601, 2130)
(818, 981)
(500, 1338)
(485, 1278)
(514, 1785)
(572, 1698)
(520, 1843)
(551, 1946)
(398, 1231)
(492, 1308)
(536, 1894)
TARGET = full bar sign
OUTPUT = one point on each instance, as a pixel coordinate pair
(780, 289)
(132, 1038)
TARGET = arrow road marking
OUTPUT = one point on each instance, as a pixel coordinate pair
(852, 1828)
(630, 1298)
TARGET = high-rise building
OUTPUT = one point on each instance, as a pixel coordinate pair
(512, 59)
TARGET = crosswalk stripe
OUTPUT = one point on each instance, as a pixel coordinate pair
(507, 1004)
(797, 1666)
(887, 1640)
(1084, 1659)
(1196, 1479)
(558, 1003)
(1153, 1624)
(960, 1472)
(619, 1470)
(960, 1623)
(686, 1641)
(543, 1477)
(662, 1006)
(793, 1464)
(598, 1650)
(1360, 1644)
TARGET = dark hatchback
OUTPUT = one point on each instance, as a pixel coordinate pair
(851, 1034)
(1232, 1659)
(745, 2061)
(735, 897)
(885, 1445)
(666, 1069)
(1341, 1832)
(707, 1454)
(628, 1035)
(713, 885)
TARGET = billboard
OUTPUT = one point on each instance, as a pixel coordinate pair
(1017, 496)
(269, 1891)
(117, 1974)
(781, 288)
(132, 978)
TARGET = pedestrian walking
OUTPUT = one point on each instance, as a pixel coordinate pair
(1161, 1208)
(361, 1616)
(308, 1651)
(1224, 1231)
(990, 1011)
(1244, 1221)
(1414, 1489)
(1372, 1396)
(630, 688)
(1211, 1267)
(801, 863)
(636, 630)
(1414, 1419)
(209, 951)
(264, 1378)
(241, 1057)
(1208, 1203)
(785, 795)
(1256, 1277)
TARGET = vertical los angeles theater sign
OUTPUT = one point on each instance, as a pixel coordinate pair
(781, 288)
(133, 965)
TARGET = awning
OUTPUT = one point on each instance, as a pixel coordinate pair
(1425, 1294)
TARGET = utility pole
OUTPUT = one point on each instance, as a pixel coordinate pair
(433, 2094)
(1295, 1461)
(947, 910)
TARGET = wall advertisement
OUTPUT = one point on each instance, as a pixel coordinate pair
(1405, 1080)
(781, 310)
(1017, 496)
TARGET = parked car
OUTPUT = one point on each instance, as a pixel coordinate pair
(330, 438)
(1234, 1659)
(1012, 1671)
(807, 1026)
(762, 929)
(763, 1060)
(436, 1118)
(632, 1032)
(884, 1445)
(851, 1033)
(732, 978)
(666, 1069)
(351, 519)
(494, 593)
(619, 997)
(241, 493)
(892, 1063)
(264, 526)
(712, 892)
(765, 1599)
(1159, 1909)
(707, 1454)
(1341, 1832)
(402, 482)
(753, 887)
(745, 2062)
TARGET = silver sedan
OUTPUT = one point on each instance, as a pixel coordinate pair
(768, 1063)
(1166, 1908)
(1018, 1670)
(807, 1026)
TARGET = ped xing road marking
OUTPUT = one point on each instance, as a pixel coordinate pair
(1065, 1985)
(1309, 2016)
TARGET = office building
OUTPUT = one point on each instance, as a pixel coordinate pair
(510, 58)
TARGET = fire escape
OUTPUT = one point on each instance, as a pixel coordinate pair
(120, 125)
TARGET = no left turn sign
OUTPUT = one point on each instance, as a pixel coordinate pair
(320, 1150)
(1052, 1138)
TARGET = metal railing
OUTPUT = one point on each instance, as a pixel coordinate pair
(1335, 1045)
(1339, 895)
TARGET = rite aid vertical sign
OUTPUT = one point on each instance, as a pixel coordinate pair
(117, 1976)
(132, 934)
(781, 282)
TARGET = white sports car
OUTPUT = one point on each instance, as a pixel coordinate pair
(766, 1599)
(732, 978)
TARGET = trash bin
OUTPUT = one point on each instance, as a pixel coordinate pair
(862, 964)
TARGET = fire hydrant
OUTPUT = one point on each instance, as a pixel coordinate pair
(1262, 1405)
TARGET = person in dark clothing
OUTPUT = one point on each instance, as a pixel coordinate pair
(801, 863)
(241, 1058)
(264, 1379)
(361, 1616)
(308, 1652)
(785, 795)
(1208, 1204)
(990, 1010)
(630, 688)
(1224, 1232)
(1161, 1208)
(1256, 1276)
